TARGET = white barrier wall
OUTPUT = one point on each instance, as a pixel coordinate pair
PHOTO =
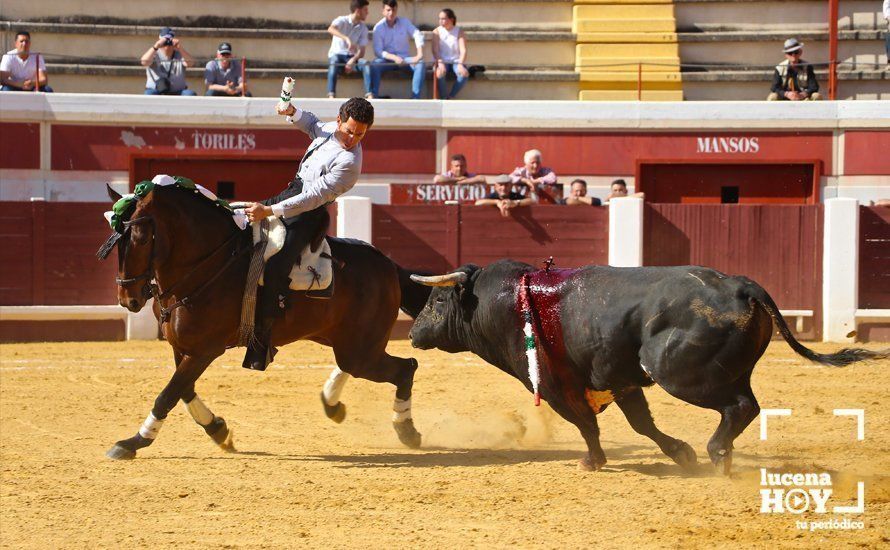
(626, 232)
(354, 218)
(840, 270)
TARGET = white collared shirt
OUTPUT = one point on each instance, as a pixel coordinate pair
(20, 69)
(357, 32)
(396, 39)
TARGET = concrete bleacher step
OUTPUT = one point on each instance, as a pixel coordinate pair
(630, 95)
(660, 25)
(625, 37)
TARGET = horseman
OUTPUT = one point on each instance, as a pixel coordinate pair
(329, 168)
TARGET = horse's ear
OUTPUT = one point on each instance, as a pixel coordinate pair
(112, 194)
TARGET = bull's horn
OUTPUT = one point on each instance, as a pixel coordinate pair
(449, 279)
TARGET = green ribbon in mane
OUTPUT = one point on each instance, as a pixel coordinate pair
(123, 208)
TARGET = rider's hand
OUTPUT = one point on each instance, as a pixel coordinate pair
(257, 212)
(289, 111)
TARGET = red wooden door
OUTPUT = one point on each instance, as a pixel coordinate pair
(729, 183)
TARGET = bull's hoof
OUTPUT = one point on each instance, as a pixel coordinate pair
(337, 412)
(119, 452)
(684, 455)
(408, 434)
(221, 434)
(587, 464)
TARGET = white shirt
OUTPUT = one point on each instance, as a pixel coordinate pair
(356, 31)
(395, 39)
(21, 70)
(886, 9)
(449, 51)
(327, 173)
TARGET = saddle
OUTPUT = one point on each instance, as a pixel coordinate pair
(313, 271)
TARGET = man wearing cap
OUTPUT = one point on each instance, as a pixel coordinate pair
(504, 197)
(223, 74)
(165, 64)
(794, 79)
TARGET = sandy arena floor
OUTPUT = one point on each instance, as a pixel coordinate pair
(494, 471)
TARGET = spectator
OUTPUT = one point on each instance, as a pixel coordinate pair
(578, 195)
(165, 64)
(504, 197)
(618, 189)
(350, 36)
(458, 172)
(450, 53)
(794, 79)
(19, 71)
(391, 37)
(223, 74)
(537, 178)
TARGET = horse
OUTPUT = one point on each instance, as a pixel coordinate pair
(185, 251)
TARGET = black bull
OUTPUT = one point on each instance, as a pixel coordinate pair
(695, 332)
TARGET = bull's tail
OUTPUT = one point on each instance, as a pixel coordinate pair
(840, 358)
(414, 295)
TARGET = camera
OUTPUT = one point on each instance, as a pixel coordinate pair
(168, 41)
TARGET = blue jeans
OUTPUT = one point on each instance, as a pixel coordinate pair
(215, 93)
(336, 67)
(152, 91)
(458, 84)
(6, 88)
(380, 66)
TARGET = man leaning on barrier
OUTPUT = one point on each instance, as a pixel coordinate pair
(794, 79)
(19, 70)
(222, 75)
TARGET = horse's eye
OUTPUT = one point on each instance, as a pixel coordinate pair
(440, 300)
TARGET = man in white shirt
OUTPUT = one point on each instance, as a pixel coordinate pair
(350, 36)
(19, 70)
(329, 168)
(392, 35)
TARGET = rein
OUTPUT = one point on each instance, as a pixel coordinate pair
(188, 300)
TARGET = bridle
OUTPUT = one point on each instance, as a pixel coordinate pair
(151, 289)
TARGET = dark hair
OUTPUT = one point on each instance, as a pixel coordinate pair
(449, 13)
(459, 156)
(358, 109)
(22, 33)
(619, 182)
(578, 180)
(391, 3)
(356, 4)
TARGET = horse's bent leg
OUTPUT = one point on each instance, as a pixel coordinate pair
(188, 370)
(402, 421)
(214, 426)
(330, 395)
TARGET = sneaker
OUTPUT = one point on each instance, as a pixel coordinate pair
(331, 95)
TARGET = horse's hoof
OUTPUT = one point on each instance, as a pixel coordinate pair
(408, 434)
(119, 452)
(227, 445)
(684, 455)
(337, 412)
(722, 460)
(586, 464)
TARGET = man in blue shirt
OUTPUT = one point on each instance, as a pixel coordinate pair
(223, 74)
(392, 35)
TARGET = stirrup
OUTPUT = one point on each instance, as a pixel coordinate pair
(257, 359)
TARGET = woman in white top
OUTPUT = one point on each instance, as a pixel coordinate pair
(450, 53)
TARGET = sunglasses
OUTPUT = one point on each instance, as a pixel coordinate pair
(796, 52)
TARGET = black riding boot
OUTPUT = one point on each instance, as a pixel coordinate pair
(260, 351)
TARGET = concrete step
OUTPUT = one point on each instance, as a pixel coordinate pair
(624, 11)
(627, 95)
(626, 37)
(654, 25)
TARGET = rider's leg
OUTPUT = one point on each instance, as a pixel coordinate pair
(301, 230)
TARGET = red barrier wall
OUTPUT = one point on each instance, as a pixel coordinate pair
(780, 247)
(49, 254)
(865, 153)
(874, 257)
(439, 238)
(19, 145)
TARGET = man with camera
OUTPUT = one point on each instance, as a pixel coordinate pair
(165, 64)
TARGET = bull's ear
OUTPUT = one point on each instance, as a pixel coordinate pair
(112, 194)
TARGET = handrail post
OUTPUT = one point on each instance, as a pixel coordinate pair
(832, 49)
(435, 80)
(640, 81)
(37, 73)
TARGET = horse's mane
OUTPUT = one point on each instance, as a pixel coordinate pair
(197, 202)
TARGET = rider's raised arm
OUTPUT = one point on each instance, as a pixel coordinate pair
(325, 189)
(307, 122)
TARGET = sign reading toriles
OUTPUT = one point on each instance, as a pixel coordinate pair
(224, 141)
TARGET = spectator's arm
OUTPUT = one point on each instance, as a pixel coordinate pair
(548, 178)
(516, 175)
(527, 200)
(575, 201)
(434, 46)
(442, 178)
(479, 178)
(332, 29)
(487, 202)
(418, 41)
(187, 58)
(149, 56)
(41, 77)
(812, 83)
(777, 83)
(378, 43)
(358, 55)
(462, 47)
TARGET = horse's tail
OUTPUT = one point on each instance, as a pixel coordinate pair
(414, 295)
(840, 358)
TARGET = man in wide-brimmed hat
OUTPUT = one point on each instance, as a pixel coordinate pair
(794, 79)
